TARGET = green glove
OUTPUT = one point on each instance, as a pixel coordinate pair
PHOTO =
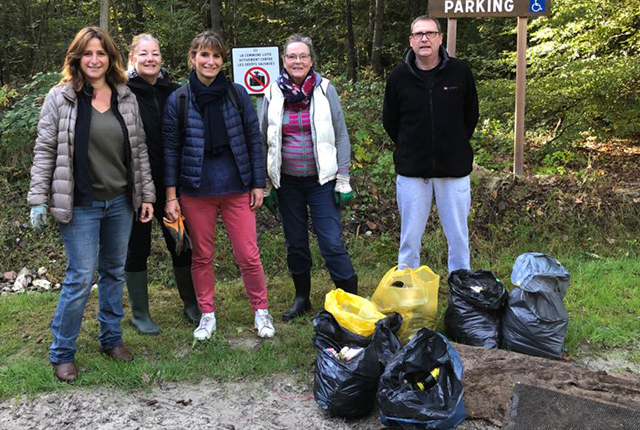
(271, 201)
(342, 199)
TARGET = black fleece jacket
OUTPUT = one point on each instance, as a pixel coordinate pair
(151, 100)
(431, 125)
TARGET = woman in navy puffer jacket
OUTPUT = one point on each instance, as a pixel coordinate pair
(216, 164)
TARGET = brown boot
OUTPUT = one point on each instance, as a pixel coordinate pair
(66, 372)
(119, 353)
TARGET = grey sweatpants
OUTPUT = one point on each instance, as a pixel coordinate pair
(453, 200)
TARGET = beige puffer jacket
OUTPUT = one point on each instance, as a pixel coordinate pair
(52, 171)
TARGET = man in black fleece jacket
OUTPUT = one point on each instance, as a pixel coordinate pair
(430, 112)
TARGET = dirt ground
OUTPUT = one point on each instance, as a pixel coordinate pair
(279, 402)
(273, 403)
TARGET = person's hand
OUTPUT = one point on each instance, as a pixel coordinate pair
(178, 234)
(38, 216)
(146, 212)
(342, 192)
(342, 199)
(172, 210)
(271, 201)
(255, 198)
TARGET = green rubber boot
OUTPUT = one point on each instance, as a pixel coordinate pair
(139, 299)
(187, 293)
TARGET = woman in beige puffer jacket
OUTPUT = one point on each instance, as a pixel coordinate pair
(91, 164)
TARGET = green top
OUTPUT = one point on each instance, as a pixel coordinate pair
(107, 165)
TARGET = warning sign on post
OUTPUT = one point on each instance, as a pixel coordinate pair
(255, 67)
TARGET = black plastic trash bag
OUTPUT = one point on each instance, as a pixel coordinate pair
(440, 406)
(347, 388)
(535, 320)
(475, 305)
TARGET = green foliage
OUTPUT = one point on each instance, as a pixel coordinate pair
(371, 149)
(493, 139)
(599, 97)
(6, 96)
(18, 124)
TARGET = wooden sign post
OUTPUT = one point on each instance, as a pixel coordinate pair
(522, 9)
(452, 30)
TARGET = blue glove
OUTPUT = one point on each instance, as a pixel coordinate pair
(38, 216)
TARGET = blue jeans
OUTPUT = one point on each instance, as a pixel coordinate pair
(295, 195)
(98, 232)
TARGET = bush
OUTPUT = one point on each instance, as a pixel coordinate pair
(18, 125)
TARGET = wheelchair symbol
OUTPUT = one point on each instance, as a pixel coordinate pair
(535, 7)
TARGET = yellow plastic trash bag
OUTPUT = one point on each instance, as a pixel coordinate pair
(413, 293)
(354, 313)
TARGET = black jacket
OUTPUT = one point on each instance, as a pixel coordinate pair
(431, 126)
(151, 100)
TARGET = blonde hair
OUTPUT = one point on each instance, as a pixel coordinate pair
(208, 39)
(71, 71)
(137, 40)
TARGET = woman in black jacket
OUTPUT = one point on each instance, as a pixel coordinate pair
(150, 83)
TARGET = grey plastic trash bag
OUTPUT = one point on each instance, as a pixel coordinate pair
(440, 406)
(474, 309)
(348, 388)
(535, 320)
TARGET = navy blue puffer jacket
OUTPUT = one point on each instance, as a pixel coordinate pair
(183, 165)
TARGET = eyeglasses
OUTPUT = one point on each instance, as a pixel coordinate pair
(430, 35)
(301, 57)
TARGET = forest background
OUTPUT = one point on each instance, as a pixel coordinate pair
(578, 200)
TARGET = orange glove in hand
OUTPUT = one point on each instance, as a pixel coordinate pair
(178, 233)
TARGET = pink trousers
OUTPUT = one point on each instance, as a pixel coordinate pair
(201, 214)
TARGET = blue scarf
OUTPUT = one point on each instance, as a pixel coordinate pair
(209, 100)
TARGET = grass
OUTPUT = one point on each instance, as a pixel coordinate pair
(600, 251)
(602, 301)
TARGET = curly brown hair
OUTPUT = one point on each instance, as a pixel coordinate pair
(71, 71)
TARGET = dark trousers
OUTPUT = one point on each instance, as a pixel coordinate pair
(140, 241)
(297, 197)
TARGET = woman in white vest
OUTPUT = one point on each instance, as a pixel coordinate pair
(308, 154)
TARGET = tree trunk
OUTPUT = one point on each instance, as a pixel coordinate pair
(104, 15)
(376, 60)
(352, 72)
(138, 11)
(216, 16)
(369, 38)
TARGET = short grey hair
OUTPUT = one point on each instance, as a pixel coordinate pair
(296, 38)
(426, 18)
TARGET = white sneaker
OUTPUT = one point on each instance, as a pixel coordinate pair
(206, 327)
(264, 323)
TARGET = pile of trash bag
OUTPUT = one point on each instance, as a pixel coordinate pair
(474, 309)
(421, 387)
(348, 366)
(535, 320)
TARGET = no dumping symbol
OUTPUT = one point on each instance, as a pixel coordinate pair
(256, 79)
